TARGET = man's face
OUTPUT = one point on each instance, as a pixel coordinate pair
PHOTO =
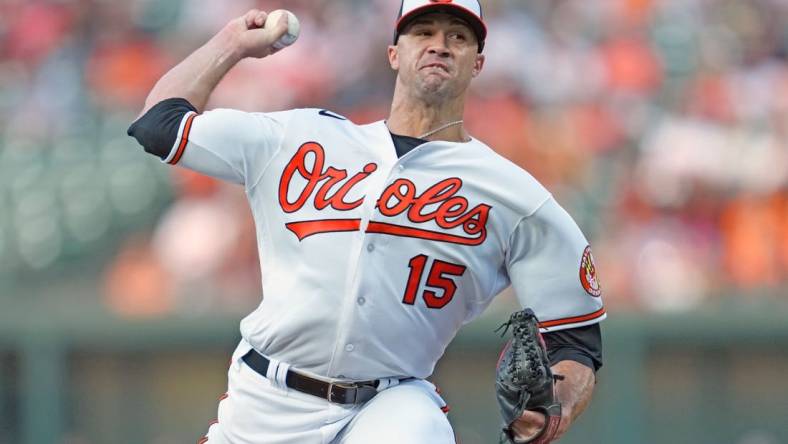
(436, 56)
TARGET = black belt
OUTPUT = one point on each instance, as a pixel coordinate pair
(338, 392)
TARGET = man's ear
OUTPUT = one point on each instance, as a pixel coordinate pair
(393, 54)
(478, 65)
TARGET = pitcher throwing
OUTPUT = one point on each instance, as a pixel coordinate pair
(378, 241)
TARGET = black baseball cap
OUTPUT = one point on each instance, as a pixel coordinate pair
(468, 10)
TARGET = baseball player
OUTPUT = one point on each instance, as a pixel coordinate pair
(377, 242)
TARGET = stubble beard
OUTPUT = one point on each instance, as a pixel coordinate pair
(434, 90)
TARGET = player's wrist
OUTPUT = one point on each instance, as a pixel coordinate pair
(230, 43)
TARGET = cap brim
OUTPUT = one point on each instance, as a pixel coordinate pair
(477, 25)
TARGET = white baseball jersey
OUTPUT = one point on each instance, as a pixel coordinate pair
(370, 262)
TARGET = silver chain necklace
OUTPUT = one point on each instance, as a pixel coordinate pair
(440, 128)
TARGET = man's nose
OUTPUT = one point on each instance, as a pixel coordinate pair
(439, 45)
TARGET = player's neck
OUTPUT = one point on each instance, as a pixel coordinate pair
(415, 118)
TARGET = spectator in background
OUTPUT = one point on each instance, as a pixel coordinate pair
(201, 258)
(668, 119)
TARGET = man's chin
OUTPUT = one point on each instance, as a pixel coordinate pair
(435, 86)
(436, 76)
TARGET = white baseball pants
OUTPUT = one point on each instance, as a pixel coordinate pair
(257, 411)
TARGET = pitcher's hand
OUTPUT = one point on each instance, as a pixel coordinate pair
(253, 37)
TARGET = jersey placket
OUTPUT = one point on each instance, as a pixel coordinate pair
(347, 343)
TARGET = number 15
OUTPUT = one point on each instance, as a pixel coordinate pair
(439, 278)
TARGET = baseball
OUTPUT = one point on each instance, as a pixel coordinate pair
(293, 27)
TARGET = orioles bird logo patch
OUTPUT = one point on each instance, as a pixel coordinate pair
(588, 274)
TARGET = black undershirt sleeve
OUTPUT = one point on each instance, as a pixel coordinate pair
(579, 344)
(158, 128)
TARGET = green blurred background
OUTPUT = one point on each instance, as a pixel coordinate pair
(661, 125)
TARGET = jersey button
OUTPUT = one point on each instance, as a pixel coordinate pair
(400, 167)
(370, 247)
(361, 300)
(349, 348)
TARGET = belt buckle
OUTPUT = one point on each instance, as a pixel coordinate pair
(330, 395)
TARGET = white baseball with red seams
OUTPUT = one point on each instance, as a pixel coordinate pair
(371, 263)
(293, 27)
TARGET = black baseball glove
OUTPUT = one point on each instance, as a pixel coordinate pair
(524, 380)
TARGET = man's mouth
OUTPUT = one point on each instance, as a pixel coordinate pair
(436, 65)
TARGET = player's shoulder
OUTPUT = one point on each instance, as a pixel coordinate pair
(522, 192)
(301, 119)
(501, 163)
(319, 116)
(294, 114)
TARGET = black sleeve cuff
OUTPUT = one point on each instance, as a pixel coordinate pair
(569, 354)
(580, 344)
(158, 128)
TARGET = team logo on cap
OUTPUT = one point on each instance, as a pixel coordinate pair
(588, 274)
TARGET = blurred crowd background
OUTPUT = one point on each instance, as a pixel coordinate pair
(661, 125)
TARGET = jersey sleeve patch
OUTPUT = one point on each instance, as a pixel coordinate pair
(588, 277)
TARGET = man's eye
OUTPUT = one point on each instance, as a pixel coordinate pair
(459, 36)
